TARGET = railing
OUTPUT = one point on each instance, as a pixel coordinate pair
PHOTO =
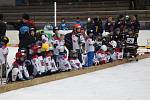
(66, 2)
(3, 69)
(1, 72)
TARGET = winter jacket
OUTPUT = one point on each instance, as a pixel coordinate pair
(2, 28)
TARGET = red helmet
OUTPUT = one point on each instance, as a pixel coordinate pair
(77, 26)
(35, 48)
(19, 55)
(49, 53)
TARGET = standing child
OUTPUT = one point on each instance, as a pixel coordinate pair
(4, 50)
(90, 48)
(64, 64)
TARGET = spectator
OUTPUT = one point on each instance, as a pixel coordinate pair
(89, 24)
(26, 33)
(135, 25)
(24, 28)
(48, 27)
(98, 27)
(63, 25)
(132, 4)
(78, 21)
(109, 25)
(2, 26)
(120, 23)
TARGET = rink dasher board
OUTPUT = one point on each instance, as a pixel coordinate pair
(62, 75)
(144, 36)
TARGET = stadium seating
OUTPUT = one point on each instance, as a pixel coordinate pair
(45, 13)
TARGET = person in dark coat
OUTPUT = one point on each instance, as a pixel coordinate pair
(109, 25)
(98, 26)
(135, 25)
(75, 41)
(2, 26)
(89, 24)
(27, 31)
(24, 29)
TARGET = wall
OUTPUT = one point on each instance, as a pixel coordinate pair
(144, 35)
(7, 2)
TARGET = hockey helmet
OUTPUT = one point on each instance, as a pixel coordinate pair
(89, 32)
(104, 47)
(113, 44)
(20, 56)
(105, 34)
(55, 28)
(76, 26)
(22, 50)
(4, 39)
(34, 48)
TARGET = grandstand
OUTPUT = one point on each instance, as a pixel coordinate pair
(43, 11)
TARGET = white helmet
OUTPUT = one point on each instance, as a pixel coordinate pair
(61, 48)
(113, 43)
(89, 19)
(104, 47)
(104, 34)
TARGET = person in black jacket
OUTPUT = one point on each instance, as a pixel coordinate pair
(24, 29)
(98, 26)
(132, 4)
(27, 31)
(75, 41)
(89, 24)
(135, 25)
(2, 26)
(109, 25)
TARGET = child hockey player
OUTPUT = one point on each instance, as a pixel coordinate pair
(90, 48)
(19, 70)
(113, 54)
(74, 61)
(101, 55)
(37, 61)
(131, 45)
(4, 51)
(55, 42)
(50, 63)
(64, 65)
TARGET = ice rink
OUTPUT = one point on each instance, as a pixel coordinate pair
(124, 82)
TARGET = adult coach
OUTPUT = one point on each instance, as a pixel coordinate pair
(2, 27)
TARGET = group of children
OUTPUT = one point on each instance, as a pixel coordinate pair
(46, 55)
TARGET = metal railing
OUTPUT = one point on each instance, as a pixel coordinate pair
(1, 72)
(3, 69)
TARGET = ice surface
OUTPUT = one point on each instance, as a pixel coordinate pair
(124, 82)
